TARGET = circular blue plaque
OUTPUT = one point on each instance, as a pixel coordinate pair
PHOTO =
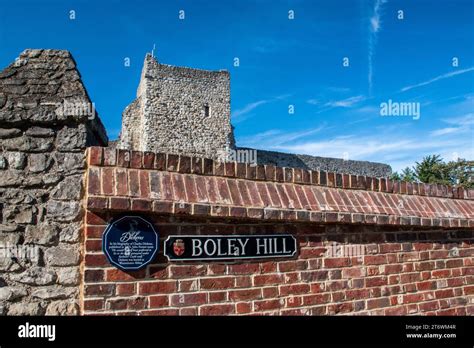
(130, 242)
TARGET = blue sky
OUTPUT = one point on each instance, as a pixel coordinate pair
(283, 62)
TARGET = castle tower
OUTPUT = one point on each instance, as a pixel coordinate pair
(179, 110)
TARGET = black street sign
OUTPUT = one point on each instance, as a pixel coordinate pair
(130, 242)
(229, 247)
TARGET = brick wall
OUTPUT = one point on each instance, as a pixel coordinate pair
(414, 241)
(415, 272)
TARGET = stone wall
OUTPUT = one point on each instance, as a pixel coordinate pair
(46, 123)
(338, 165)
(169, 114)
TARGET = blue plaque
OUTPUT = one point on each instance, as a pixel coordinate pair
(130, 242)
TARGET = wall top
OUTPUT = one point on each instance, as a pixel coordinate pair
(152, 62)
(110, 156)
(44, 87)
(168, 183)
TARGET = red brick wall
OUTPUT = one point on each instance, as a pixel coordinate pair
(416, 240)
(422, 271)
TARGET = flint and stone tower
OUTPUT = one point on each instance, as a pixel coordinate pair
(179, 110)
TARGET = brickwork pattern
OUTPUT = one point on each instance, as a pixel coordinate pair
(424, 272)
(179, 184)
(415, 258)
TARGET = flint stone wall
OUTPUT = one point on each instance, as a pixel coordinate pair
(169, 114)
(327, 164)
(42, 164)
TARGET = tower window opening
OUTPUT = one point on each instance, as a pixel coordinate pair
(207, 111)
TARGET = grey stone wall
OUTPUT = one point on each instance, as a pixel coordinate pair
(169, 114)
(328, 164)
(45, 128)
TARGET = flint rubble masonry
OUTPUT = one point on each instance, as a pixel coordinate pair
(42, 165)
(179, 110)
(187, 111)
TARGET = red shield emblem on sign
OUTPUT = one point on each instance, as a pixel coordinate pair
(178, 247)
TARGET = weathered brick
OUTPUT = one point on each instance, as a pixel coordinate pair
(266, 305)
(217, 283)
(120, 203)
(95, 156)
(160, 287)
(245, 295)
(94, 305)
(99, 289)
(218, 309)
(188, 299)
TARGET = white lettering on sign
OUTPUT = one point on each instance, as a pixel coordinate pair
(242, 244)
(197, 245)
(220, 247)
(206, 249)
(271, 246)
(233, 250)
(131, 236)
(260, 245)
(229, 247)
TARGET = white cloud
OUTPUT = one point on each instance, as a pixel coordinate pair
(375, 23)
(374, 28)
(250, 107)
(465, 120)
(437, 78)
(274, 138)
(462, 124)
(240, 113)
(444, 131)
(338, 89)
(369, 109)
(358, 147)
(313, 101)
(265, 45)
(394, 146)
(399, 153)
(346, 103)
